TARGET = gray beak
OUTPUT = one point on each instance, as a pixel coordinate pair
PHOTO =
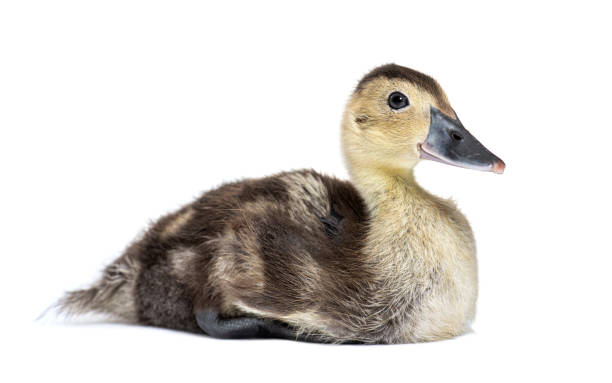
(450, 143)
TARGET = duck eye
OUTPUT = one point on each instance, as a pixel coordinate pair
(397, 100)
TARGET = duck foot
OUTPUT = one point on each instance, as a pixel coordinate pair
(242, 327)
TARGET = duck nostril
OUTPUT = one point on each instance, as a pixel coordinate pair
(456, 136)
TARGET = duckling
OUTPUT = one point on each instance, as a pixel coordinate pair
(305, 256)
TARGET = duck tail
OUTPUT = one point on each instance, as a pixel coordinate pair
(112, 294)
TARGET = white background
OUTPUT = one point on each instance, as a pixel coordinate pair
(113, 113)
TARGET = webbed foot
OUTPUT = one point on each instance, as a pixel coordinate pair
(242, 327)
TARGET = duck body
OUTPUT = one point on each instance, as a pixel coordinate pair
(301, 255)
(303, 249)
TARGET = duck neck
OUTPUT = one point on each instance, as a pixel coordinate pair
(400, 212)
(389, 191)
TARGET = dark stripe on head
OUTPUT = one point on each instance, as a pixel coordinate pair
(393, 71)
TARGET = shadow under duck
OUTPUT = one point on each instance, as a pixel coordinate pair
(301, 255)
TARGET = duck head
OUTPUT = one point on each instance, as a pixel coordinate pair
(397, 116)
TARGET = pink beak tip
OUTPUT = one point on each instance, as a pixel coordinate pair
(499, 166)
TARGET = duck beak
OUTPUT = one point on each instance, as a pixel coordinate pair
(450, 143)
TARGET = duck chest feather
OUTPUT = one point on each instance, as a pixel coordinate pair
(426, 256)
